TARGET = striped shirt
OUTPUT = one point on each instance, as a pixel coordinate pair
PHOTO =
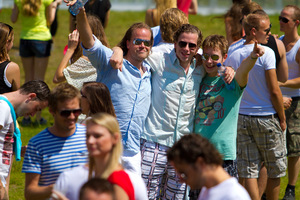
(49, 155)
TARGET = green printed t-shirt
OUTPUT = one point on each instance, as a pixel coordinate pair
(216, 114)
(34, 27)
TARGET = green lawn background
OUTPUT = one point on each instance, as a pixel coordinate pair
(118, 24)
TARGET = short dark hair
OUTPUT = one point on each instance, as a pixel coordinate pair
(98, 97)
(188, 28)
(61, 93)
(192, 146)
(98, 185)
(128, 34)
(40, 88)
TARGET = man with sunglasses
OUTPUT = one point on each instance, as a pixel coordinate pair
(31, 97)
(289, 21)
(261, 121)
(57, 148)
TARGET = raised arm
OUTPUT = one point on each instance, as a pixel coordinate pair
(72, 45)
(247, 64)
(33, 190)
(85, 31)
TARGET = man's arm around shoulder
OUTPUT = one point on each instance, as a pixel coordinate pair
(32, 188)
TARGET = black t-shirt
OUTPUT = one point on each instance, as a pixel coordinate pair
(98, 8)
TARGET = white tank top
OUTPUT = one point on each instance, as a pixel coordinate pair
(294, 70)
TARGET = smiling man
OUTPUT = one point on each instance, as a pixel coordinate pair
(130, 88)
(30, 98)
(56, 148)
(261, 121)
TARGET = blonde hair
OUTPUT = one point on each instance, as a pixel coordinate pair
(112, 125)
(161, 6)
(170, 21)
(31, 7)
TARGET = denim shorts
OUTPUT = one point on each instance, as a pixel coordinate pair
(35, 48)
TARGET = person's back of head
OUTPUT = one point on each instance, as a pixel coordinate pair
(98, 97)
(250, 8)
(40, 88)
(97, 187)
(192, 146)
(240, 2)
(188, 28)
(170, 20)
(233, 17)
(6, 36)
(31, 7)
(97, 29)
(61, 93)
(129, 33)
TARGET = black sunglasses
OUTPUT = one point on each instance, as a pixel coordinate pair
(268, 30)
(284, 19)
(9, 27)
(67, 113)
(183, 44)
(139, 41)
(206, 56)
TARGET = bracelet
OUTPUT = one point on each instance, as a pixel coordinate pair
(253, 58)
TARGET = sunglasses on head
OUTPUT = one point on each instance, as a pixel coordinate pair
(67, 113)
(139, 41)
(206, 56)
(268, 30)
(284, 19)
(183, 44)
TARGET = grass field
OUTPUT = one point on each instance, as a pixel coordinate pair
(118, 24)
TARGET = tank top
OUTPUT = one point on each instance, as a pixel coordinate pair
(5, 85)
(272, 44)
(294, 71)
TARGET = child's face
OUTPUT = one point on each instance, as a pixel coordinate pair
(211, 57)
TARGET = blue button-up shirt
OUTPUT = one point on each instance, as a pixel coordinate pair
(173, 98)
(130, 93)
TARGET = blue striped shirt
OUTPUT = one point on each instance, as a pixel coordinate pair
(49, 155)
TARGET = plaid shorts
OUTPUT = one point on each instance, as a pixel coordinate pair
(260, 139)
(293, 128)
(161, 180)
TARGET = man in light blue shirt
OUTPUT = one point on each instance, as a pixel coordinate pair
(130, 89)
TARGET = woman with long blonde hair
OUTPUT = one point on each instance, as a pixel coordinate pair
(103, 140)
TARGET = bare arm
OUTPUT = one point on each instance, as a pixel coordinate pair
(282, 69)
(33, 190)
(14, 14)
(193, 7)
(276, 96)
(106, 19)
(50, 11)
(72, 45)
(293, 83)
(85, 32)
(247, 64)
(13, 75)
(120, 193)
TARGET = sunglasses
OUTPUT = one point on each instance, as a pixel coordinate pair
(268, 30)
(138, 41)
(67, 113)
(183, 44)
(214, 57)
(284, 19)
